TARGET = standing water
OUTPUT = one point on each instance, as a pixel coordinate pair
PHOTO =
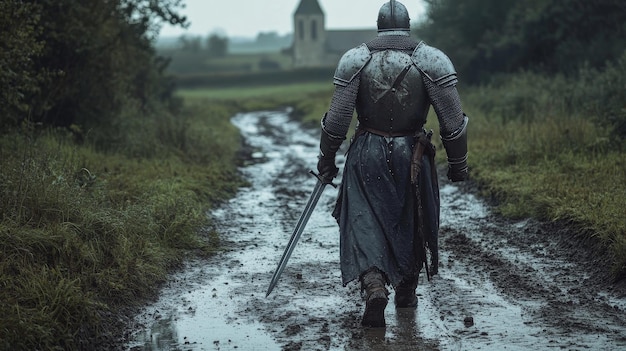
(499, 286)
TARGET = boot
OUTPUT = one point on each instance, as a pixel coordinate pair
(373, 283)
(405, 293)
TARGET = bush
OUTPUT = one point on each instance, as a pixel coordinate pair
(596, 96)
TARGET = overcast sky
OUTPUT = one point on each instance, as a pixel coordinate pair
(249, 17)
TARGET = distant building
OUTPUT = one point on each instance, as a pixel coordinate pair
(314, 45)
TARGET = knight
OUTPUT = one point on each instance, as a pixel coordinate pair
(388, 203)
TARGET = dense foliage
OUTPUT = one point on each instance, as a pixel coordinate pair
(18, 47)
(84, 233)
(574, 40)
(81, 63)
(490, 36)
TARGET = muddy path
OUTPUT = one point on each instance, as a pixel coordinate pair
(502, 285)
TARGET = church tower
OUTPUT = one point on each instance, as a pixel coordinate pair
(309, 34)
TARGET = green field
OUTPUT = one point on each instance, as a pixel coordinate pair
(276, 92)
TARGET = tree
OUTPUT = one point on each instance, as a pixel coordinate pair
(552, 36)
(88, 60)
(192, 44)
(466, 31)
(19, 46)
(217, 45)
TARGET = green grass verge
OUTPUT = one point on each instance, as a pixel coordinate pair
(85, 233)
(553, 149)
(563, 169)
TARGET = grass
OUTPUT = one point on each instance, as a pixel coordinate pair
(553, 149)
(286, 92)
(86, 233)
(309, 100)
(560, 168)
(538, 145)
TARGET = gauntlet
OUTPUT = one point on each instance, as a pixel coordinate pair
(456, 149)
(326, 160)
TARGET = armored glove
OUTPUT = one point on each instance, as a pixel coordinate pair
(326, 159)
(458, 172)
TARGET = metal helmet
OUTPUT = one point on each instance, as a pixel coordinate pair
(393, 16)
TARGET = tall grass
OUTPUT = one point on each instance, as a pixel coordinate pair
(553, 148)
(84, 233)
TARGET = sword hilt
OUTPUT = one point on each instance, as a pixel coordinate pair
(323, 180)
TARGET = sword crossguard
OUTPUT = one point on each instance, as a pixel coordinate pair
(323, 180)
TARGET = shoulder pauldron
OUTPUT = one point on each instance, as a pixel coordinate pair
(435, 65)
(351, 64)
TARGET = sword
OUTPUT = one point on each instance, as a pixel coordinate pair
(295, 236)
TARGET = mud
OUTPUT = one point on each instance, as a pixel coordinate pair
(502, 285)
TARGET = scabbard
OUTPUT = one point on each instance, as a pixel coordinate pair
(423, 146)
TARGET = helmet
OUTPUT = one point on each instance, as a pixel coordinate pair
(393, 16)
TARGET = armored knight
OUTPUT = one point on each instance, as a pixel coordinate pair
(388, 204)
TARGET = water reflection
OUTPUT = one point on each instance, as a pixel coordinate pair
(162, 335)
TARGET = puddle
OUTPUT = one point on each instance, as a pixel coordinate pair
(502, 285)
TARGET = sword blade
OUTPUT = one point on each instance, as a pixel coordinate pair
(297, 232)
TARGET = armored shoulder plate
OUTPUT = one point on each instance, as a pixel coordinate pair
(351, 64)
(435, 65)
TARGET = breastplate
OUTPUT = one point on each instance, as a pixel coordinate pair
(392, 97)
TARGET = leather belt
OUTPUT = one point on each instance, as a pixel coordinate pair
(362, 129)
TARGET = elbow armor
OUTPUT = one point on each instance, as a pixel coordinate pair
(329, 143)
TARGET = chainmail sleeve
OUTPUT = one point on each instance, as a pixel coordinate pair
(452, 124)
(336, 121)
(447, 105)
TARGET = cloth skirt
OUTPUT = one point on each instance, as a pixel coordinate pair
(377, 208)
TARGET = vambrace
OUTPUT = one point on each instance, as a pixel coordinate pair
(456, 150)
(452, 124)
(335, 125)
(329, 144)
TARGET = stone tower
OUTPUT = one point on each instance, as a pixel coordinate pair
(309, 35)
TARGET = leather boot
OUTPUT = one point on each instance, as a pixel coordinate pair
(405, 293)
(373, 283)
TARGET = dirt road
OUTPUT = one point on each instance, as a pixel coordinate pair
(502, 285)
